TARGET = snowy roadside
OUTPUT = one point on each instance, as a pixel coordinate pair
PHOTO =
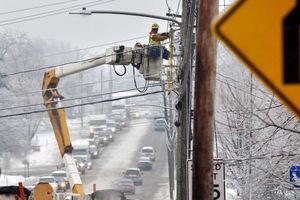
(163, 191)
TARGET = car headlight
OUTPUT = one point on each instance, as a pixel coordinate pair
(123, 123)
(92, 130)
(110, 136)
(81, 164)
(105, 138)
(95, 153)
(89, 164)
(113, 129)
(62, 184)
(124, 116)
(137, 114)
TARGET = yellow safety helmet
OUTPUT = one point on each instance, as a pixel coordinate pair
(155, 26)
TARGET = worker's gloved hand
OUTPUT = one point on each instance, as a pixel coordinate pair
(165, 34)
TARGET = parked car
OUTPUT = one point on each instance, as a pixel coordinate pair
(144, 163)
(160, 124)
(135, 175)
(62, 180)
(148, 152)
(127, 186)
(50, 180)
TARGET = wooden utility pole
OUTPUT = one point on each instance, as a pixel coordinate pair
(205, 81)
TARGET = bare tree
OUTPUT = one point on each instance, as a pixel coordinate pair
(257, 136)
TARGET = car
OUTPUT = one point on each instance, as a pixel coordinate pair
(135, 175)
(108, 194)
(112, 126)
(127, 186)
(61, 179)
(80, 164)
(160, 124)
(94, 151)
(144, 163)
(50, 180)
(148, 151)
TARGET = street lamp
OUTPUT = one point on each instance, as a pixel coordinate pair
(84, 11)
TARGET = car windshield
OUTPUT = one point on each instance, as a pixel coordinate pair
(147, 150)
(79, 152)
(97, 122)
(59, 174)
(132, 172)
(110, 124)
(126, 181)
(93, 148)
(47, 180)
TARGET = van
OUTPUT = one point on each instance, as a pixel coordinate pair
(97, 123)
(81, 152)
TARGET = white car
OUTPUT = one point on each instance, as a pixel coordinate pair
(50, 180)
(148, 152)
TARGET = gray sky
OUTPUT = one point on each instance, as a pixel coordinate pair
(84, 31)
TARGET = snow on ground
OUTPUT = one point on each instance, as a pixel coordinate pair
(163, 191)
(48, 155)
(10, 180)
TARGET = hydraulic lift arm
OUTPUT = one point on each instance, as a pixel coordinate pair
(118, 55)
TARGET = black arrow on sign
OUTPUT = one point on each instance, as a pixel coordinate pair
(291, 34)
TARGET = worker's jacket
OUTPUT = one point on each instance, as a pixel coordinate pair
(156, 38)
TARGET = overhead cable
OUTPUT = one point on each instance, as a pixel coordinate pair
(81, 104)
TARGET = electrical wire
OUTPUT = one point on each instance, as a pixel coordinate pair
(72, 99)
(39, 69)
(81, 104)
(135, 84)
(71, 51)
(125, 70)
(51, 13)
(69, 87)
(36, 7)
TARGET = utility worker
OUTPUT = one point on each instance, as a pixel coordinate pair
(155, 37)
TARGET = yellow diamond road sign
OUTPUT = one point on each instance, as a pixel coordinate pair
(265, 34)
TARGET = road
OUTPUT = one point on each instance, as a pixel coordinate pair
(123, 153)
(118, 156)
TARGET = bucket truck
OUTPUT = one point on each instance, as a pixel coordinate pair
(118, 55)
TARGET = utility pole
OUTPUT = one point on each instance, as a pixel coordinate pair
(205, 82)
(188, 16)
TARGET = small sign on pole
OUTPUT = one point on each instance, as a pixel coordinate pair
(219, 181)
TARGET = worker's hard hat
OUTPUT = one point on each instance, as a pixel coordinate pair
(155, 26)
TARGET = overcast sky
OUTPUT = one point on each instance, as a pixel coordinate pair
(84, 31)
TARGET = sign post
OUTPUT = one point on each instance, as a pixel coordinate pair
(265, 35)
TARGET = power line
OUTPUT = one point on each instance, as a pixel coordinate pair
(43, 68)
(36, 7)
(73, 86)
(71, 99)
(82, 104)
(70, 51)
(51, 13)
